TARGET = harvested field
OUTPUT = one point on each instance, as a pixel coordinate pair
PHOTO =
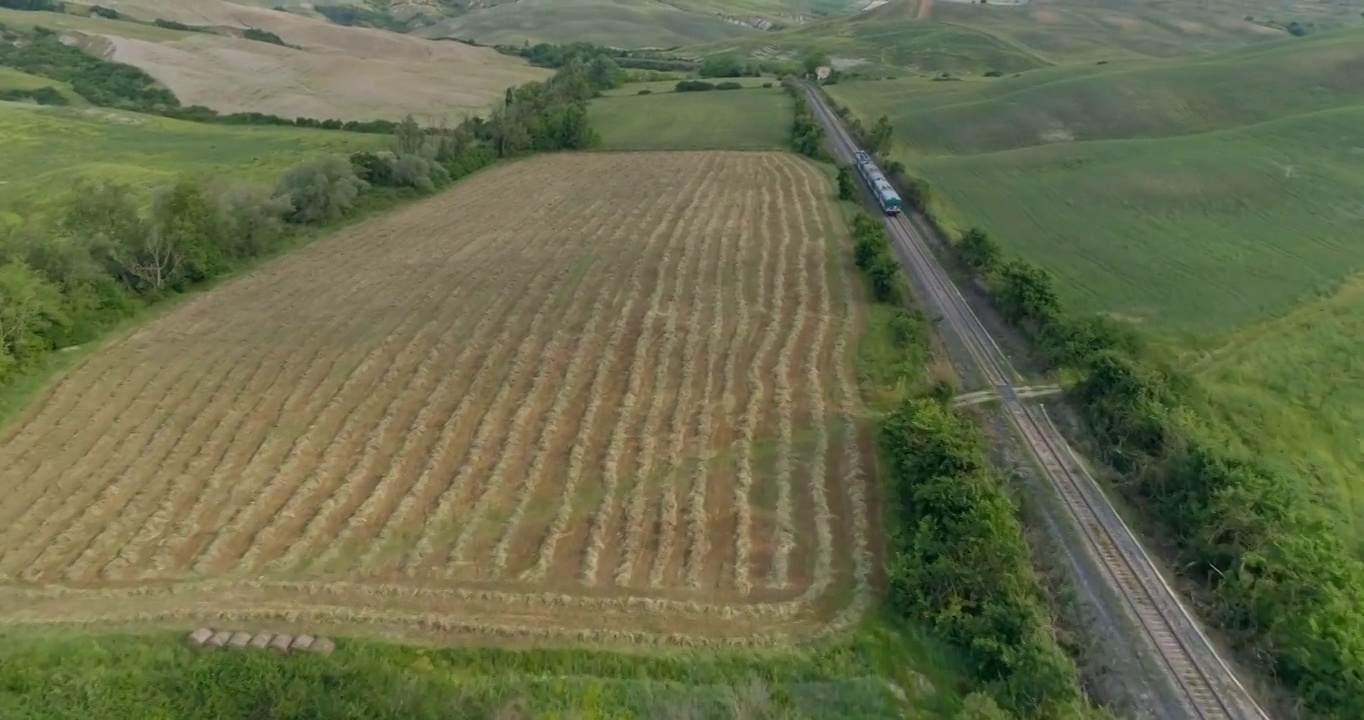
(606, 396)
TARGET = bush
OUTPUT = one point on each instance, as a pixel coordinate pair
(645, 91)
(320, 191)
(694, 86)
(42, 96)
(957, 560)
(729, 86)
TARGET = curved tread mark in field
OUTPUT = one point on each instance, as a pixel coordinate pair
(632, 530)
(490, 419)
(694, 352)
(601, 518)
(602, 375)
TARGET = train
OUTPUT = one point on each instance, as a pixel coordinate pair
(886, 197)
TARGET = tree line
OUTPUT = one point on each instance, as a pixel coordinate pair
(1274, 572)
(105, 83)
(807, 135)
(551, 55)
(100, 255)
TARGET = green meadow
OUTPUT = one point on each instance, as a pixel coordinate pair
(748, 119)
(47, 148)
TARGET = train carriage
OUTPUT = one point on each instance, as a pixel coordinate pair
(876, 181)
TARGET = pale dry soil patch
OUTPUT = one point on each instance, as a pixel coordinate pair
(341, 72)
(619, 407)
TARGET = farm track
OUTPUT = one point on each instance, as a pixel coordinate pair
(602, 420)
(1200, 682)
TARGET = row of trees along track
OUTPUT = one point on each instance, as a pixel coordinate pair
(956, 558)
(1203, 684)
(1270, 568)
(96, 257)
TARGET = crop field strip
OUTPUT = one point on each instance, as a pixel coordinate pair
(1206, 688)
(621, 410)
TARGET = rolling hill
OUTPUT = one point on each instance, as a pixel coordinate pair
(322, 70)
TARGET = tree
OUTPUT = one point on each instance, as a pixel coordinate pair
(880, 139)
(320, 191)
(813, 61)
(408, 137)
(30, 310)
(979, 250)
(846, 190)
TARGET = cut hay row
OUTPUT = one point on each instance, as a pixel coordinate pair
(632, 531)
(784, 533)
(556, 424)
(698, 519)
(695, 352)
(702, 197)
(822, 573)
(529, 415)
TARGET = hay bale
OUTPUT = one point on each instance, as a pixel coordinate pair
(219, 638)
(239, 640)
(322, 646)
(261, 640)
(302, 642)
(200, 636)
(281, 643)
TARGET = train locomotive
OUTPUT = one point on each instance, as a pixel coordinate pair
(886, 197)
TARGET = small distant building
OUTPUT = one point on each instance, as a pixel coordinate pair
(823, 72)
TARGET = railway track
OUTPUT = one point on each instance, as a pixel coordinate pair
(1199, 681)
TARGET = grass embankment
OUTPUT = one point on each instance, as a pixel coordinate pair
(1275, 573)
(747, 119)
(46, 675)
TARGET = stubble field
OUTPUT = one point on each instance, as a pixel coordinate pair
(607, 397)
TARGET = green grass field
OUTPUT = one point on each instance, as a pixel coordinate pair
(621, 23)
(45, 149)
(1292, 388)
(756, 118)
(1194, 197)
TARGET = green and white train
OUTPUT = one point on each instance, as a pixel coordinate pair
(886, 197)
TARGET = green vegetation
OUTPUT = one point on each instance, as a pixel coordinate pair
(51, 674)
(47, 149)
(753, 118)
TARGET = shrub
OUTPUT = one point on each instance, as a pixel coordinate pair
(320, 191)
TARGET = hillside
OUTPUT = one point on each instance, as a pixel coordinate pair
(324, 71)
(1252, 152)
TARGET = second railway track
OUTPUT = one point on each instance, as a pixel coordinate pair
(1204, 685)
